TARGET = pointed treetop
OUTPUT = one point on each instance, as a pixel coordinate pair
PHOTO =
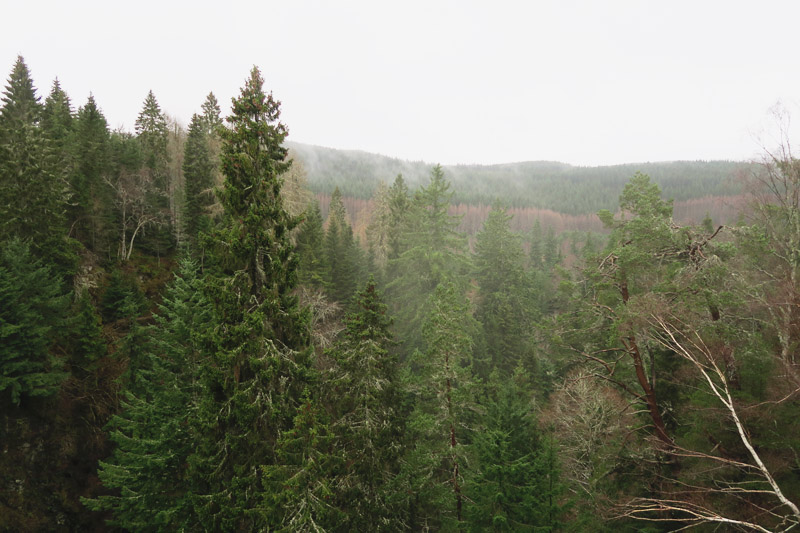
(151, 120)
(20, 102)
(58, 114)
(211, 120)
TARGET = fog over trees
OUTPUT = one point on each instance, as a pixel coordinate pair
(205, 327)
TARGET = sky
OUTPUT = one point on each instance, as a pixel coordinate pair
(454, 82)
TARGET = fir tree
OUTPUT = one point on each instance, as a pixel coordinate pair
(259, 362)
(199, 181)
(434, 252)
(156, 430)
(310, 236)
(436, 456)
(341, 252)
(368, 422)
(504, 300)
(210, 120)
(516, 487)
(32, 197)
(32, 308)
(92, 211)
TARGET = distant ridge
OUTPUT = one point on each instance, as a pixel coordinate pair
(543, 184)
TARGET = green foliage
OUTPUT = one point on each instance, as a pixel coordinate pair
(309, 245)
(156, 430)
(33, 196)
(517, 486)
(342, 255)
(367, 422)
(434, 252)
(32, 308)
(199, 179)
(505, 302)
(442, 389)
(258, 357)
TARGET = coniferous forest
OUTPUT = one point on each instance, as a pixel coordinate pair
(191, 341)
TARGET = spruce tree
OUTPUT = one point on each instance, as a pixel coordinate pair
(32, 310)
(310, 236)
(504, 300)
(258, 365)
(32, 195)
(210, 120)
(92, 210)
(342, 258)
(155, 432)
(434, 251)
(367, 421)
(199, 181)
(441, 381)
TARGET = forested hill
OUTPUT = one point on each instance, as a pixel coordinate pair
(543, 184)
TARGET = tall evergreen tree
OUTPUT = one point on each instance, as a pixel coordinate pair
(504, 300)
(156, 430)
(443, 394)
(32, 195)
(93, 197)
(199, 181)
(516, 487)
(152, 134)
(341, 252)
(210, 120)
(367, 420)
(259, 364)
(434, 252)
(32, 310)
(311, 269)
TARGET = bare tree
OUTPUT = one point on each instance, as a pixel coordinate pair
(132, 194)
(754, 488)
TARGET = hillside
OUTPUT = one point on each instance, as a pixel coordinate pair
(549, 185)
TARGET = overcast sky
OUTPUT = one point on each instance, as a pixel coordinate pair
(583, 82)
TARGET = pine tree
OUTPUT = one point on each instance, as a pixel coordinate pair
(259, 364)
(92, 195)
(310, 236)
(434, 252)
(442, 384)
(198, 175)
(504, 300)
(342, 258)
(156, 430)
(32, 197)
(367, 421)
(32, 309)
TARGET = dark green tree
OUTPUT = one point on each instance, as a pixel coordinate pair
(155, 432)
(517, 486)
(367, 421)
(310, 237)
(199, 182)
(92, 211)
(33, 196)
(32, 311)
(342, 258)
(442, 386)
(259, 361)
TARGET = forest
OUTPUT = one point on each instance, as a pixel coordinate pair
(198, 332)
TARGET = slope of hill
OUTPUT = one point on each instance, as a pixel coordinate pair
(541, 184)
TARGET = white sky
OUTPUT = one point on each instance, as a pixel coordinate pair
(583, 82)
